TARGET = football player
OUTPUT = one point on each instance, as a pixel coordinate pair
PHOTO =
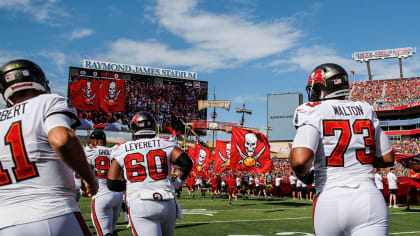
(38, 151)
(191, 187)
(231, 182)
(268, 186)
(245, 185)
(344, 140)
(106, 204)
(145, 163)
(213, 184)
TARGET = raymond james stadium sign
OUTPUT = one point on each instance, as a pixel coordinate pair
(101, 65)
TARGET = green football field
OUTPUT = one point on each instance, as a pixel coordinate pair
(202, 216)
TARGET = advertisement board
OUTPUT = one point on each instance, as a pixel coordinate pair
(280, 111)
(109, 99)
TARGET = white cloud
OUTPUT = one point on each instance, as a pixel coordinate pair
(308, 58)
(229, 35)
(158, 54)
(57, 57)
(80, 33)
(113, 11)
(216, 41)
(42, 12)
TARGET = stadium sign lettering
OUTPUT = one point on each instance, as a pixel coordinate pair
(281, 117)
(101, 65)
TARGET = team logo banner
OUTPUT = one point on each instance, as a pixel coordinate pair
(84, 94)
(250, 151)
(112, 95)
(201, 160)
(221, 156)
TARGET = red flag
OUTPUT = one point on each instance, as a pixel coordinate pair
(410, 161)
(191, 153)
(352, 72)
(221, 156)
(84, 94)
(112, 95)
(201, 160)
(173, 131)
(250, 151)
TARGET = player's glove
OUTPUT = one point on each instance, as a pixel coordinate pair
(178, 183)
(308, 178)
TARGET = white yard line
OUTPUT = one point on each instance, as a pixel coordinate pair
(251, 220)
(275, 219)
(414, 232)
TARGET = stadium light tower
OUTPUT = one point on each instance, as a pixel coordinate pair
(368, 56)
(243, 111)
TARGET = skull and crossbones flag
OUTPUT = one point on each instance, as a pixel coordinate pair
(249, 152)
(202, 159)
(221, 156)
(84, 94)
(409, 161)
(112, 95)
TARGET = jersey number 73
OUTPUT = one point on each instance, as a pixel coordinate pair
(347, 132)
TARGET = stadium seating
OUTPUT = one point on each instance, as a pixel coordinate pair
(387, 93)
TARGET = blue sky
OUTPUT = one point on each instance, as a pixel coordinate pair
(245, 49)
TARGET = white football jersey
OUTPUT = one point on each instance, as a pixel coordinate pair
(99, 158)
(349, 138)
(34, 184)
(378, 181)
(146, 164)
(77, 181)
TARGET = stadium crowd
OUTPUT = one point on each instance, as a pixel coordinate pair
(255, 184)
(169, 103)
(387, 93)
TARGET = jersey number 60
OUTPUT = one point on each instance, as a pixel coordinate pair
(156, 163)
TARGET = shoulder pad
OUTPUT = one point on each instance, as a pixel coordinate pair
(304, 113)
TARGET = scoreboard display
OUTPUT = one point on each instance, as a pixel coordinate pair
(109, 99)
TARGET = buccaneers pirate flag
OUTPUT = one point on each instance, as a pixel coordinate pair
(250, 151)
(112, 95)
(221, 156)
(410, 161)
(84, 94)
(202, 160)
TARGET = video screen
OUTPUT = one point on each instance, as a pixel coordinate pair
(108, 100)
